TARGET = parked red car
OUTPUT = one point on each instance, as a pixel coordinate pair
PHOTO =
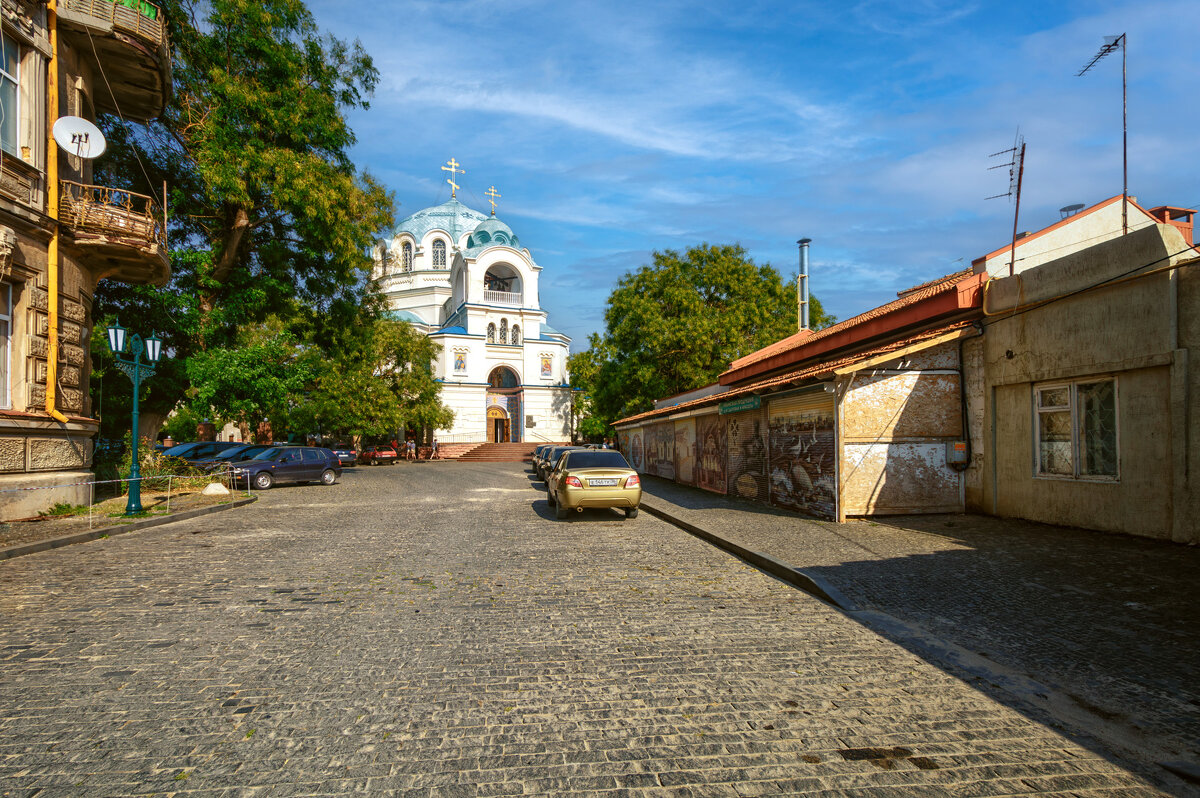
(374, 455)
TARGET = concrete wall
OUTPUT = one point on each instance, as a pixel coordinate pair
(1136, 330)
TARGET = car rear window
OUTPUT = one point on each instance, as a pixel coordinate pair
(313, 455)
(596, 459)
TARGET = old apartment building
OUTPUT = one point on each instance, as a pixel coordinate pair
(60, 234)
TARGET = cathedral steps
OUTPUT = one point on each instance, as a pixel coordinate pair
(498, 453)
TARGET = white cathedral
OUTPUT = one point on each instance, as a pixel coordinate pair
(462, 278)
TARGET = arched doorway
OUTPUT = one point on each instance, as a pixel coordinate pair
(504, 406)
(499, 429)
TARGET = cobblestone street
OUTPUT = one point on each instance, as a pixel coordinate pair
(430, 630)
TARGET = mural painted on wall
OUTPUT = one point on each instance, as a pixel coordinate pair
(635, 451)
(803, 461)
(747, 455)
(685, 451)
(660, 450)
(710, 439)
(547, 366)
(460, 361)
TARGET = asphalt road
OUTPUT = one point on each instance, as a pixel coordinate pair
(430, 630)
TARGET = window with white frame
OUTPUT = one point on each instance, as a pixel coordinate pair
(503, 331)
(1076, 429)
(10, 59)
(439, 254)
(406, 257)
(516, 335)
(491, 333)
(5, 343)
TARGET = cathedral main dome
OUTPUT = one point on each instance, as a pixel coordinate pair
(451, 216)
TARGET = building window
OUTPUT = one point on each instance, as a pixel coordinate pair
(406, 257)
(5, 343)
(439, 254)
(503, 331)
(516, 335)
(9, 81)
(491, 333)
(1076, 429)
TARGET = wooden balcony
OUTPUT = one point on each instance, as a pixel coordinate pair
(124, 41)
(120, 234)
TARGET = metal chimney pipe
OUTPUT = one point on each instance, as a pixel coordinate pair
(802, 284)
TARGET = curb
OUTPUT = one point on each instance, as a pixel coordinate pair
(765, 562)
(22, 549)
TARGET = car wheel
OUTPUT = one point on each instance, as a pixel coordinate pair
(561, 513)
(631, 512)
(263, 480)
(328, 477)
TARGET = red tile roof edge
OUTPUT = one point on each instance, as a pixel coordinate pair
(804, 346)
(799, 375)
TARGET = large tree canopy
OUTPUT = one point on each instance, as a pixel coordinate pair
(677, 324)
(268, 215)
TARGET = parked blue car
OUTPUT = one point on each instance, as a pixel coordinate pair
(288, 464)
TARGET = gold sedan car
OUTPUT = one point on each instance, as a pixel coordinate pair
(593, 478)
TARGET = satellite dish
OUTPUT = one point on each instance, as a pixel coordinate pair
(79, 137)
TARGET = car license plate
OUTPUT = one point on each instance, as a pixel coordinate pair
(602, 483)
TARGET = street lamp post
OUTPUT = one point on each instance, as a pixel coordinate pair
(136, 370)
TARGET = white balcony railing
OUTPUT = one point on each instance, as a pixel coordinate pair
(502, 298)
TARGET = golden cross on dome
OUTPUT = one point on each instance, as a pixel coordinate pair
(492, 195)
(452, 167)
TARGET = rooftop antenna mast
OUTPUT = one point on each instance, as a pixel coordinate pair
(1111, 44)
(1016, 173)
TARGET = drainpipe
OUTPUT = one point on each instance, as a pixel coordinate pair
(802, 285)
(52, 276)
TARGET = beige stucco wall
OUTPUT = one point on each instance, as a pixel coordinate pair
(1139, 503)
(1136, 330)
(895, 421)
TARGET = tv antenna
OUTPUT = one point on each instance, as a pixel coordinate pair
(1016, 173)
(1111, 45)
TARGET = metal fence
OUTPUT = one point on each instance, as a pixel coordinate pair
(172, 482)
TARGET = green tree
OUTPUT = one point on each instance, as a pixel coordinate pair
(268, 215)
(376, 382)
(677, 324)
(264, 375)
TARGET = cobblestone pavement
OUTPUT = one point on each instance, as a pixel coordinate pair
(1110, 620)
(432, 631)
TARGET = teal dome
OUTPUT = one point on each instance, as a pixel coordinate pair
(452, 216)
(492, 232)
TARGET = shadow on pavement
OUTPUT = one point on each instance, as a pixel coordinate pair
(1069, 626)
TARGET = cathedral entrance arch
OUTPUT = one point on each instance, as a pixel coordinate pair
(504, 400)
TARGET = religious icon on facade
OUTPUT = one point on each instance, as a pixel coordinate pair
(547, 366)
(460, 361)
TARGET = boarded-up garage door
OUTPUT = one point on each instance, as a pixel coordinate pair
(747, 438)
(685, 451)
(660, 450)
(803, 456)
(710, 440)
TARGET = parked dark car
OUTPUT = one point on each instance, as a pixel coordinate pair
(223, 460)
(288, 464)
(345, 454)
(198, 450)
(551, 457)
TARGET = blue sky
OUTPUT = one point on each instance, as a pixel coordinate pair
(615, 129)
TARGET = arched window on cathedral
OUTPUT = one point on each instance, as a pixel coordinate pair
(439, 254)
(516, 335)
(491, 333)
(406, 257)
(503, 331)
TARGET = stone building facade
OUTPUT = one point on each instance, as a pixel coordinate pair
(69, 58)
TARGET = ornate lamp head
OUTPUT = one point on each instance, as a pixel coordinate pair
(153, 348)
(116, 338)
